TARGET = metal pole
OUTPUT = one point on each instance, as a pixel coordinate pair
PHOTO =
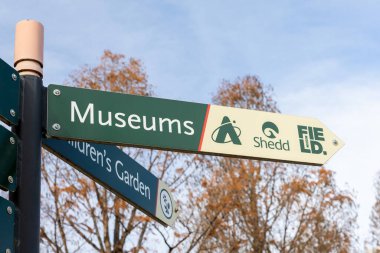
(29, 63)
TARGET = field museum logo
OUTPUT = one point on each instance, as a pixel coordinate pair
(311, 139)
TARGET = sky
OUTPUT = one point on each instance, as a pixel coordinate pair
(322, 59)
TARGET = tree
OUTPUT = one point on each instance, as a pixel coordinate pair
(253, 206)
(375, 217)
(226, 204)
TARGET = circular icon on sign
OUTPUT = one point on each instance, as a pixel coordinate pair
(166, 203)
(270, 129)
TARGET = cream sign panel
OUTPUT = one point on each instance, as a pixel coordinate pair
(270, 136)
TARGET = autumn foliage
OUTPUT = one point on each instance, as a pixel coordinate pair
(227, 205)
(253, 206)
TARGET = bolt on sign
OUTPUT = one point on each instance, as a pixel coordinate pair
(115, 170)
(106, 117)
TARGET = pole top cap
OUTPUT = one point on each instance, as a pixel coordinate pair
(29, 44)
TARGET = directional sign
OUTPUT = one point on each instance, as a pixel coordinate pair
(8, 151)
(106, 117)
(7, 223)
(9, 94)
(119, 173)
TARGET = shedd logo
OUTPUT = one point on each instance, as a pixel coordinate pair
(227, 132)
(270, 130)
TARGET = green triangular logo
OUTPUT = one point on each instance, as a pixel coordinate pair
(227, 132)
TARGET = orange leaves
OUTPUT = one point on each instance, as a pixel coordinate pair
(297, 186)
(114, 73)
(142, 218)
(180, 235)
(204, 183)
(69, 205)
(119, 204)
(109, 56)
(180, 171)
(325, 176)
(69, 189)
(266, 201)
(246, 92)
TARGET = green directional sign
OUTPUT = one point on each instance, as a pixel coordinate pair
(107, 117)
(7, 223)
(8, 151)
(9, 94)
(123, 119)
(119, 173)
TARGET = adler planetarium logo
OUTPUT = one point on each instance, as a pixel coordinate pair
(227, 132)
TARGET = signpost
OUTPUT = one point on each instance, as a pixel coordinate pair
(28, 61)
(106, 117)
(8, 151)
(75, 115)
(119, 173)
(9, 94)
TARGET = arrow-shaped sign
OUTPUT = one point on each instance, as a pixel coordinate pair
(9, 94)
(119, 173)
(123, 119)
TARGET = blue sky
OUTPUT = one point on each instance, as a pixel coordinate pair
(321, 57)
